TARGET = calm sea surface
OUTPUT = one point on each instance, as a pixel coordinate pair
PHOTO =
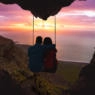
(71, 47)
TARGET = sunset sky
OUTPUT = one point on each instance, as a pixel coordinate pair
(75, 28)
(78, 16)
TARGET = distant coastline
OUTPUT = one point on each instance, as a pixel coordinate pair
(72, 46)
(25, 48)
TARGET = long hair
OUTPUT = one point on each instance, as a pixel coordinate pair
(47, 41)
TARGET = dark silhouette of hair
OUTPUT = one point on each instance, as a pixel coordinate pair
(39, 39)
(47, 41)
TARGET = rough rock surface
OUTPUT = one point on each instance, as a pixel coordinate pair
(15, 76)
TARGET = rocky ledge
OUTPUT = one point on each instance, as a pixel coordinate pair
(15, 76)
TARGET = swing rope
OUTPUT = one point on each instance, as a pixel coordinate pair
(54, 29)
(33, 29)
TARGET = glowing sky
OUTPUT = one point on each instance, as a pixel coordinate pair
(76, 19)
(78, 16)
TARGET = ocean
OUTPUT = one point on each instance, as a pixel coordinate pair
(75, 47)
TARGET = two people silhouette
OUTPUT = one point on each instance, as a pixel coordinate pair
(37, 54)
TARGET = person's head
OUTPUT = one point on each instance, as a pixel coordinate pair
(39, 39)
(47, 41)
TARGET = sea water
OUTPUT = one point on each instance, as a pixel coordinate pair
(70, 47)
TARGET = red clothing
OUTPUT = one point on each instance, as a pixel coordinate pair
(50, 61)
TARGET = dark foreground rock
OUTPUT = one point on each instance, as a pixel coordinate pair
(8, 85)
(85, 85)
(15, 76)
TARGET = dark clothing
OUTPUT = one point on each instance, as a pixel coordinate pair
(51, 46)
(48, 47)
(35, 54)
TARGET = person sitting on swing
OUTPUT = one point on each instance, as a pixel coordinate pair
(35, 54)
(50, 61)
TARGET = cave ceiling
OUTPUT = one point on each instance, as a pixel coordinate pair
(41, 8)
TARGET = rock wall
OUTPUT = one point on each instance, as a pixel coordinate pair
(15, 76)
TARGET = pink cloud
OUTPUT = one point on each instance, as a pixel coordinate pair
(73, 14)
(81, 5)
(11, 14)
